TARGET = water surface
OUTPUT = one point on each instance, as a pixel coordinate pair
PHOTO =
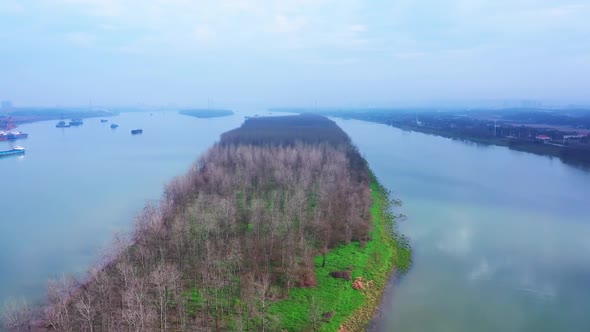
(75, 187)
(501, 238)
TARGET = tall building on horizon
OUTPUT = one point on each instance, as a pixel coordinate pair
(6, 105)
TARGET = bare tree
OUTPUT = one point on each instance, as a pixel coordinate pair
(86, 307)
(164, 280)
(16, 315)
(58, 312)
(137, 312)
(262, 291)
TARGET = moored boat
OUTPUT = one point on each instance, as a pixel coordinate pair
(16, 135)
(104, 120)
(62, 124)
(14, 151)
(136, 131)
(114, 126)
(76, 122)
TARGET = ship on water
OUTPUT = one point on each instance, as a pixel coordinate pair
(136, 131)
(76, 122)
(62, 124)
(9, 134)
(17, 150)
(114, 126)
(16, 135)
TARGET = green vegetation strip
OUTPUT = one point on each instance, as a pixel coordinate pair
(374, 262)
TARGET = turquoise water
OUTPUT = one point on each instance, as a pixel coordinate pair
(75, 187)
(501, 238)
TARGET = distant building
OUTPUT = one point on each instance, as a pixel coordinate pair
(543, 137)
(574, 136)
(6, 105)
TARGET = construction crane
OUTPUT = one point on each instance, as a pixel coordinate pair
(9, 124)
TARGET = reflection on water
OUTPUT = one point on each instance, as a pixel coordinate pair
(18, 157)
(500, 237)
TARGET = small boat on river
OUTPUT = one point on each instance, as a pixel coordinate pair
(76, 122)
(104, 120)
(114, 126)
(136, 131)
(16, 135)
(62, 124)
(14, 151)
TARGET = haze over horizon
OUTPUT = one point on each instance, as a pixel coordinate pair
(292, 52)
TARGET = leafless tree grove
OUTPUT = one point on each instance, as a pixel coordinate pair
(234, 234)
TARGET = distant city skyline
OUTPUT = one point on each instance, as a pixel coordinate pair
(426, 104)
(293, 52)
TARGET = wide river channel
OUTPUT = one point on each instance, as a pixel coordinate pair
(501, 239)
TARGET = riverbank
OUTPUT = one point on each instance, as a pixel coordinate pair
(576, 156)
(568, 154)
(334, 305)
(572, 146)
(573, 155)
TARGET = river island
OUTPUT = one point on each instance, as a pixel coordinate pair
(280, 226)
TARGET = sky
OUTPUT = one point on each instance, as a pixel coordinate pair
(292, 52)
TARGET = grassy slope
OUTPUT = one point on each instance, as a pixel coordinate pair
(375, 262)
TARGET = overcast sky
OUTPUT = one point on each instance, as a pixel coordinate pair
(292, 52)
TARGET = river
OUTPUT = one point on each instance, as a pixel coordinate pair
(501, 238)
(61, 203)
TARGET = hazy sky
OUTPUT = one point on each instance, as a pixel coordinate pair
(292, 52)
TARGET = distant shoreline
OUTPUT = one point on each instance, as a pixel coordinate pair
(22, 116)
(478, 130)
(575, 157)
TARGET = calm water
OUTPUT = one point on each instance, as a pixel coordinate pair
(501, 238)
(61, 203)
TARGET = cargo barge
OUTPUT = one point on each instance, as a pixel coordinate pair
(17, 150)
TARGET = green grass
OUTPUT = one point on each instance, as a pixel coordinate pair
(304, 308)
(374, 262)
